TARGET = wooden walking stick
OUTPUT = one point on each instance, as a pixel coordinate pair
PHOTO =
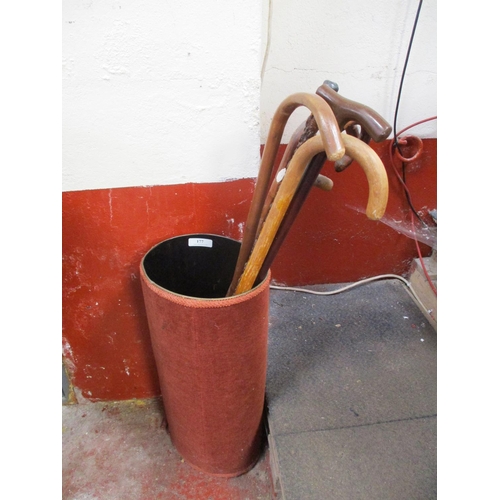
(377, 197)
(330, 134)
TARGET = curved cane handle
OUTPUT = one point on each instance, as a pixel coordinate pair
(377, 198)
(376, 175)
(330, 134)
(325, 120)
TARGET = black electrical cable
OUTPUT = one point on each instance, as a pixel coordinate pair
(396, 143)
(403, 74)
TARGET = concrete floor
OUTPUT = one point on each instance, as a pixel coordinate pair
(352, 413)
(122, 451)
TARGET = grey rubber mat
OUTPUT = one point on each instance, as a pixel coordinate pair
(352, 394)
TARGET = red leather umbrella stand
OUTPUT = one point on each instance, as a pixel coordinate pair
(210, 351)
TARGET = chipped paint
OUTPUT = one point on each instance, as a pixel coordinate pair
(104, 319)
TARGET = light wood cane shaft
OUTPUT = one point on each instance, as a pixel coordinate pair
(277, 210)
(377, 196)
(333, 145)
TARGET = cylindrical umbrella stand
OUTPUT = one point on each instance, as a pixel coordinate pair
(210, 351)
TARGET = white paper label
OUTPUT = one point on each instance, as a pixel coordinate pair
(280, 175)
(200, 242)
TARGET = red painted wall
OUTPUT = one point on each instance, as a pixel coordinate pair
(106, 346)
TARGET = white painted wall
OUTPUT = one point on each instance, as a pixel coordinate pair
(361, 46)
(161, 92)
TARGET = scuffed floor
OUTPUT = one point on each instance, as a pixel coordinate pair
(122, 451)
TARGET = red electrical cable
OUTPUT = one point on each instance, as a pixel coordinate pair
(415, 124)
(405, 187)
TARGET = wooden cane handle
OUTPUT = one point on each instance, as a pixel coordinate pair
(376, 175)
(378, 195)
(346, 110)
(330, 134)
(324, 183)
